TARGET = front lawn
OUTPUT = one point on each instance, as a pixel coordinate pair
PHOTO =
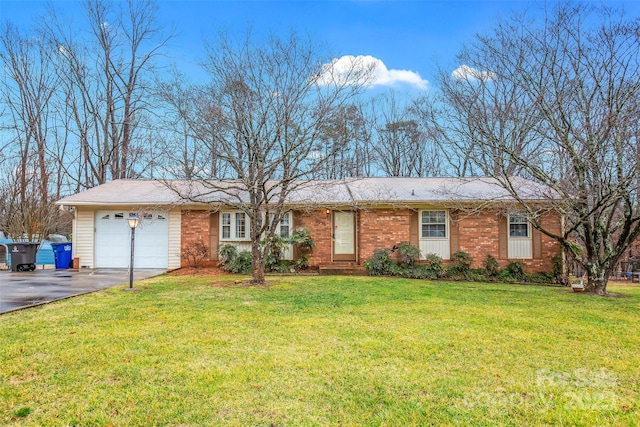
(323, 351)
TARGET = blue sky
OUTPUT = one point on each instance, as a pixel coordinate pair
(408, 37)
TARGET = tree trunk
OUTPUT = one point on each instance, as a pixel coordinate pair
(257, 267)
(596, 280)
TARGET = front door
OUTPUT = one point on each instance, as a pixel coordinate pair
(344, 236)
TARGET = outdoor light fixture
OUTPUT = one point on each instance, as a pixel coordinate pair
(133, 223)
(327, 212)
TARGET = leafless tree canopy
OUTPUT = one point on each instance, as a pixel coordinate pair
(75, 109)
(555, 100)
(26, 160)
(261, 116)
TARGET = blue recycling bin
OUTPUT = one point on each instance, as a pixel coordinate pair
(62, 252)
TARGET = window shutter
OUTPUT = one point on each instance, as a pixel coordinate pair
(503, 244)
(536, 236)
(214, 240)
(414, 234)
(454, 232)
(295, 220)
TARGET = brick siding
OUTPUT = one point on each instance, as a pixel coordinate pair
(195, 227)
(478, 236)
(383, 228)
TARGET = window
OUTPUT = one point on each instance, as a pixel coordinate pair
(241, 225)
(284, 226)
(234, 225)
(434, 224)
(119, 215)
(226, 225)
(518, 226)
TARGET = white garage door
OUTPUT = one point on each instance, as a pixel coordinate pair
(113, 240)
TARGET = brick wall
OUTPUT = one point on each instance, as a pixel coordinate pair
(318, 223)
(195, 227)
(479, 237)
(382, 228)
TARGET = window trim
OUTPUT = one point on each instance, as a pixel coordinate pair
(233, 227)
(446, 224)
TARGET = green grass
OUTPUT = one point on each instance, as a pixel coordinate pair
(323, 351)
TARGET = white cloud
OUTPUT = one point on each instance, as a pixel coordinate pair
(464, 72)
(367, 70)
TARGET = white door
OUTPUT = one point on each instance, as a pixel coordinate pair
(344, 234)
(113, 240)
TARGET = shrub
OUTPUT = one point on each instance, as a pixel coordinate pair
(303, 240)
(540, 277)
(461, 265)
(407, 254)
(434, 266)
(233, 261)
(276, 250)
(302, 263)
(491, 266)
(380, 264)
(195, 253)
(516, 269)
(241, 264)
(477, 275)
(513, 272)
(226, 253)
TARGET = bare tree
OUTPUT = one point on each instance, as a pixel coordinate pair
(346, 135)
(27, 89)
(403, 144)
(262, 113)
(105, 76)
(555, 99)
(192, 149)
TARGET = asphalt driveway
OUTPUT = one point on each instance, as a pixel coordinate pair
(25, 289)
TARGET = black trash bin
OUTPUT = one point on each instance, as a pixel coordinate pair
(62, 253)
(23, 255)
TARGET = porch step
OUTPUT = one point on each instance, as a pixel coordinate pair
(343, 269)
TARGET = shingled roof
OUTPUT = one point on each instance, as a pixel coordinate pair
(352, 191)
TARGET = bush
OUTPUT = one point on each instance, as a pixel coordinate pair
(380, 264)
(195, 253)
(434, 266)
(461, 265)
(241, 264)
(540, 278)
(407, 254)
(303, 240)
(276, 250)
(477, 275)
(302, 263)
(515, 269)
(233, 261)
(227, 253)
(491, 266)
